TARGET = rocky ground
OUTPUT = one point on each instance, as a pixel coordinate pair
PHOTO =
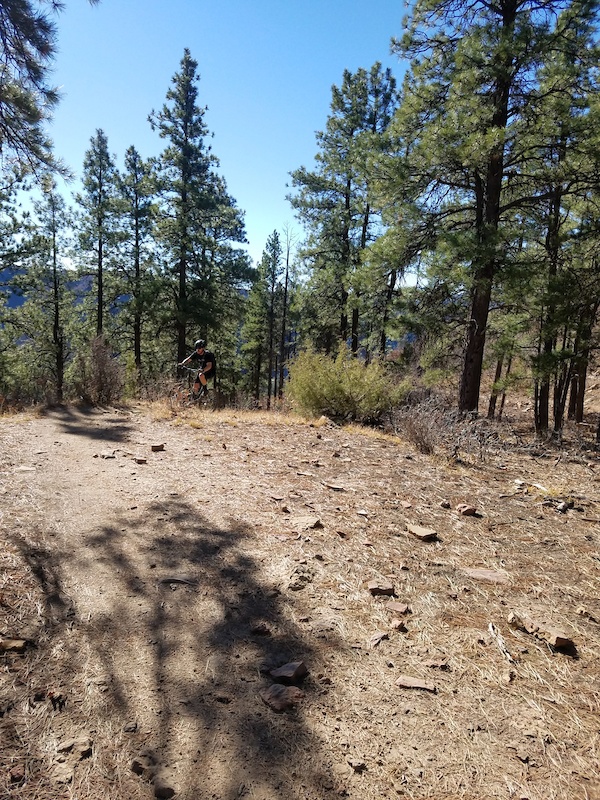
(437, 619)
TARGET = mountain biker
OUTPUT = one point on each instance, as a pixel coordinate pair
(206, 365)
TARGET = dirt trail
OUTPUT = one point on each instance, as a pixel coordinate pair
(167, 590)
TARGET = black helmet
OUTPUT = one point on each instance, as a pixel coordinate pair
(199, 343)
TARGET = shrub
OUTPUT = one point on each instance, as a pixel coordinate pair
(97, 376)
(433, 425)
(344, 388)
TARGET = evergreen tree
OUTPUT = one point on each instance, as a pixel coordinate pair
(142, 286)
(12, 232)
(98, 234)
(253, 332)
(199, 219)
(44, 321)
(465, 151)
(27, 49)
(334, 204)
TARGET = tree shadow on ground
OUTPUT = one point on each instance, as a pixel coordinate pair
(109, 427)
(182, 632)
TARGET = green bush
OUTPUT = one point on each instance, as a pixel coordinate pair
(344, 388)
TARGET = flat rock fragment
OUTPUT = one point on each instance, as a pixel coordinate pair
(424, 534)
(540, 629)
(488, 575)
(408, 682)
(397, 608)
(377, 638)
(307, 522)
(13, 645)
(380, 588)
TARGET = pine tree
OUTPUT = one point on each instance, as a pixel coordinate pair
(466, 147)
(45, 320)
(333, 203)
(98, 235)
(28, 45)
(142, 286)
(200, 220)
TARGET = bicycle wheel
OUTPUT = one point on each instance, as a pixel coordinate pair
(179, 397)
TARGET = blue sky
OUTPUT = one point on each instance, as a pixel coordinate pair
(266, 70)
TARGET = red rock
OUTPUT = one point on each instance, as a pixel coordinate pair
(280, 698)
(398, 608)
(380, 588)
(290, 673)
(466, 510)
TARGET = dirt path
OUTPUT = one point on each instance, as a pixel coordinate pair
(160, 594)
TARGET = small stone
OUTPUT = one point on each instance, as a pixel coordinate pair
(380, 588)
(489, 575)
(13, 645)
(424, 534)
(398, 625)
(140, 460)
(280, 698)
(17, 773)
(107, 454)
(63, 773)
(357, 765)
(81, 748)
(407, 682)
(466, 510)
(156, 448)
(307, 523)
(445, 504)
(377, 638)
(131, 727)
(405, 504)
(293, 672)
(397, 608)
(542, 630)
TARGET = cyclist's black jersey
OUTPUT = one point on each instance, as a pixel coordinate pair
(202, 360)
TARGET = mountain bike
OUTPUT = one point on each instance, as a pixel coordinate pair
(182, 394)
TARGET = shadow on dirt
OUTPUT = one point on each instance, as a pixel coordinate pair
(92, 423)
(183, 631)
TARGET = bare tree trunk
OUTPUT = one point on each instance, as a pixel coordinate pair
(494, 394)
(503, 398)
